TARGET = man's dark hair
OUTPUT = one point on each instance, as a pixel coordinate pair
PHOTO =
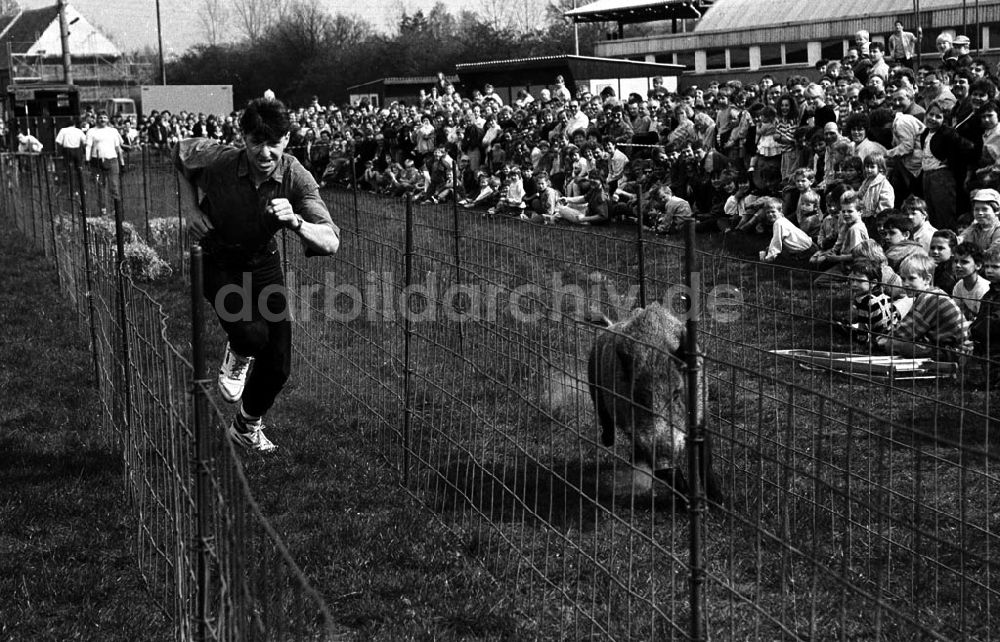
(899, 222)
(857, 121)
(266, 120)
(984, 86)
(970, 250)
(989, 107)
(868, 269)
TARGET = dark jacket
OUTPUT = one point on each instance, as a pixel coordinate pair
(950, 148)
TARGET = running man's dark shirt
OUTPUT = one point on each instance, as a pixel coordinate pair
(236, 207)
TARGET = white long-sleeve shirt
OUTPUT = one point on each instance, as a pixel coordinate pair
(786, 236)
(906, 132)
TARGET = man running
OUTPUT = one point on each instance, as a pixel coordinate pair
(248, 195)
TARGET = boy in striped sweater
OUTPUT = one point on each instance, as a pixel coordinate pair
(935, 326)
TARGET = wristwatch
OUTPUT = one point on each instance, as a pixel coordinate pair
(298, 225)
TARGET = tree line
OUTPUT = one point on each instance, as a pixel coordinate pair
(298, 49)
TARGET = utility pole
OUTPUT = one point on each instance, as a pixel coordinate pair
(67, 61)
(159, 39)
(576, 33)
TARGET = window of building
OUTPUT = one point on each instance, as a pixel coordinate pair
(686, 58)
(739, 57)
(715, 59)
(796, 53)
(664, 58)
(770, 55)
(993, 31)
(832, 49)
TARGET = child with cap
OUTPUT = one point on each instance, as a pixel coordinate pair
(985, 228)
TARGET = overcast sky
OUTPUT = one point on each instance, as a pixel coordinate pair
(132, 23)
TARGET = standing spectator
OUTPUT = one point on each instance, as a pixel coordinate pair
(576, 120)
(902, 45)
(617, 161)
(942, 167)
(105, 155)
(71, 141)
(905, 154)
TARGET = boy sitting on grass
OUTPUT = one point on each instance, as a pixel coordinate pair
(873, 313)
(935, 326)
(809, 215)
(970, 287)
(789, 245)
(942, 250)
(897, 232)
(852, 231)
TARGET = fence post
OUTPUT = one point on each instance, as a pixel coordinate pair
(354, 187)
(695, 441)
(31, 194)
(640, 248)
(88, 269)
(407, 335)
(145, 189)
(180, 219)
(202, 445)
(458, 255)
(120, 266)
(52, 219)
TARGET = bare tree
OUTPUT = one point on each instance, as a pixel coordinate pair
(495, 13)
(9, 7)
(214, 18)
(255, 17)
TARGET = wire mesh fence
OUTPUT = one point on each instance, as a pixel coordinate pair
(228, 577)
(859, 489)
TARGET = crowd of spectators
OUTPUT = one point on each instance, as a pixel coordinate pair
(875, 165)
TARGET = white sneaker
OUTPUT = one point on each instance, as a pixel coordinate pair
(250, 435)
(233, 375)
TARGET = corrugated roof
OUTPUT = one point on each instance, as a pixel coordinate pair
(28, 27)
(734, 15)
(567, 59)
(638, 10)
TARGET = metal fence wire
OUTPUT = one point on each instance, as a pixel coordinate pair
(858, 493)
(209, 557)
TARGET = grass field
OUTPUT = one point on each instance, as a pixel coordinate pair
(66, 568)
(851, 501)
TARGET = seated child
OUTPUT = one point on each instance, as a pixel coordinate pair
(830, 225)
(487, 188)
(852, 231)
(985, 328)
(915, 208)
(512, 195)
(876, 192)
(870, 250)
(873, 313)
(985, 228)
(789, 244)
(545, 206)
(808, 214)
(800, 182)
(971, 287)
(935, 326)
(896, 232)
(942, 251)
